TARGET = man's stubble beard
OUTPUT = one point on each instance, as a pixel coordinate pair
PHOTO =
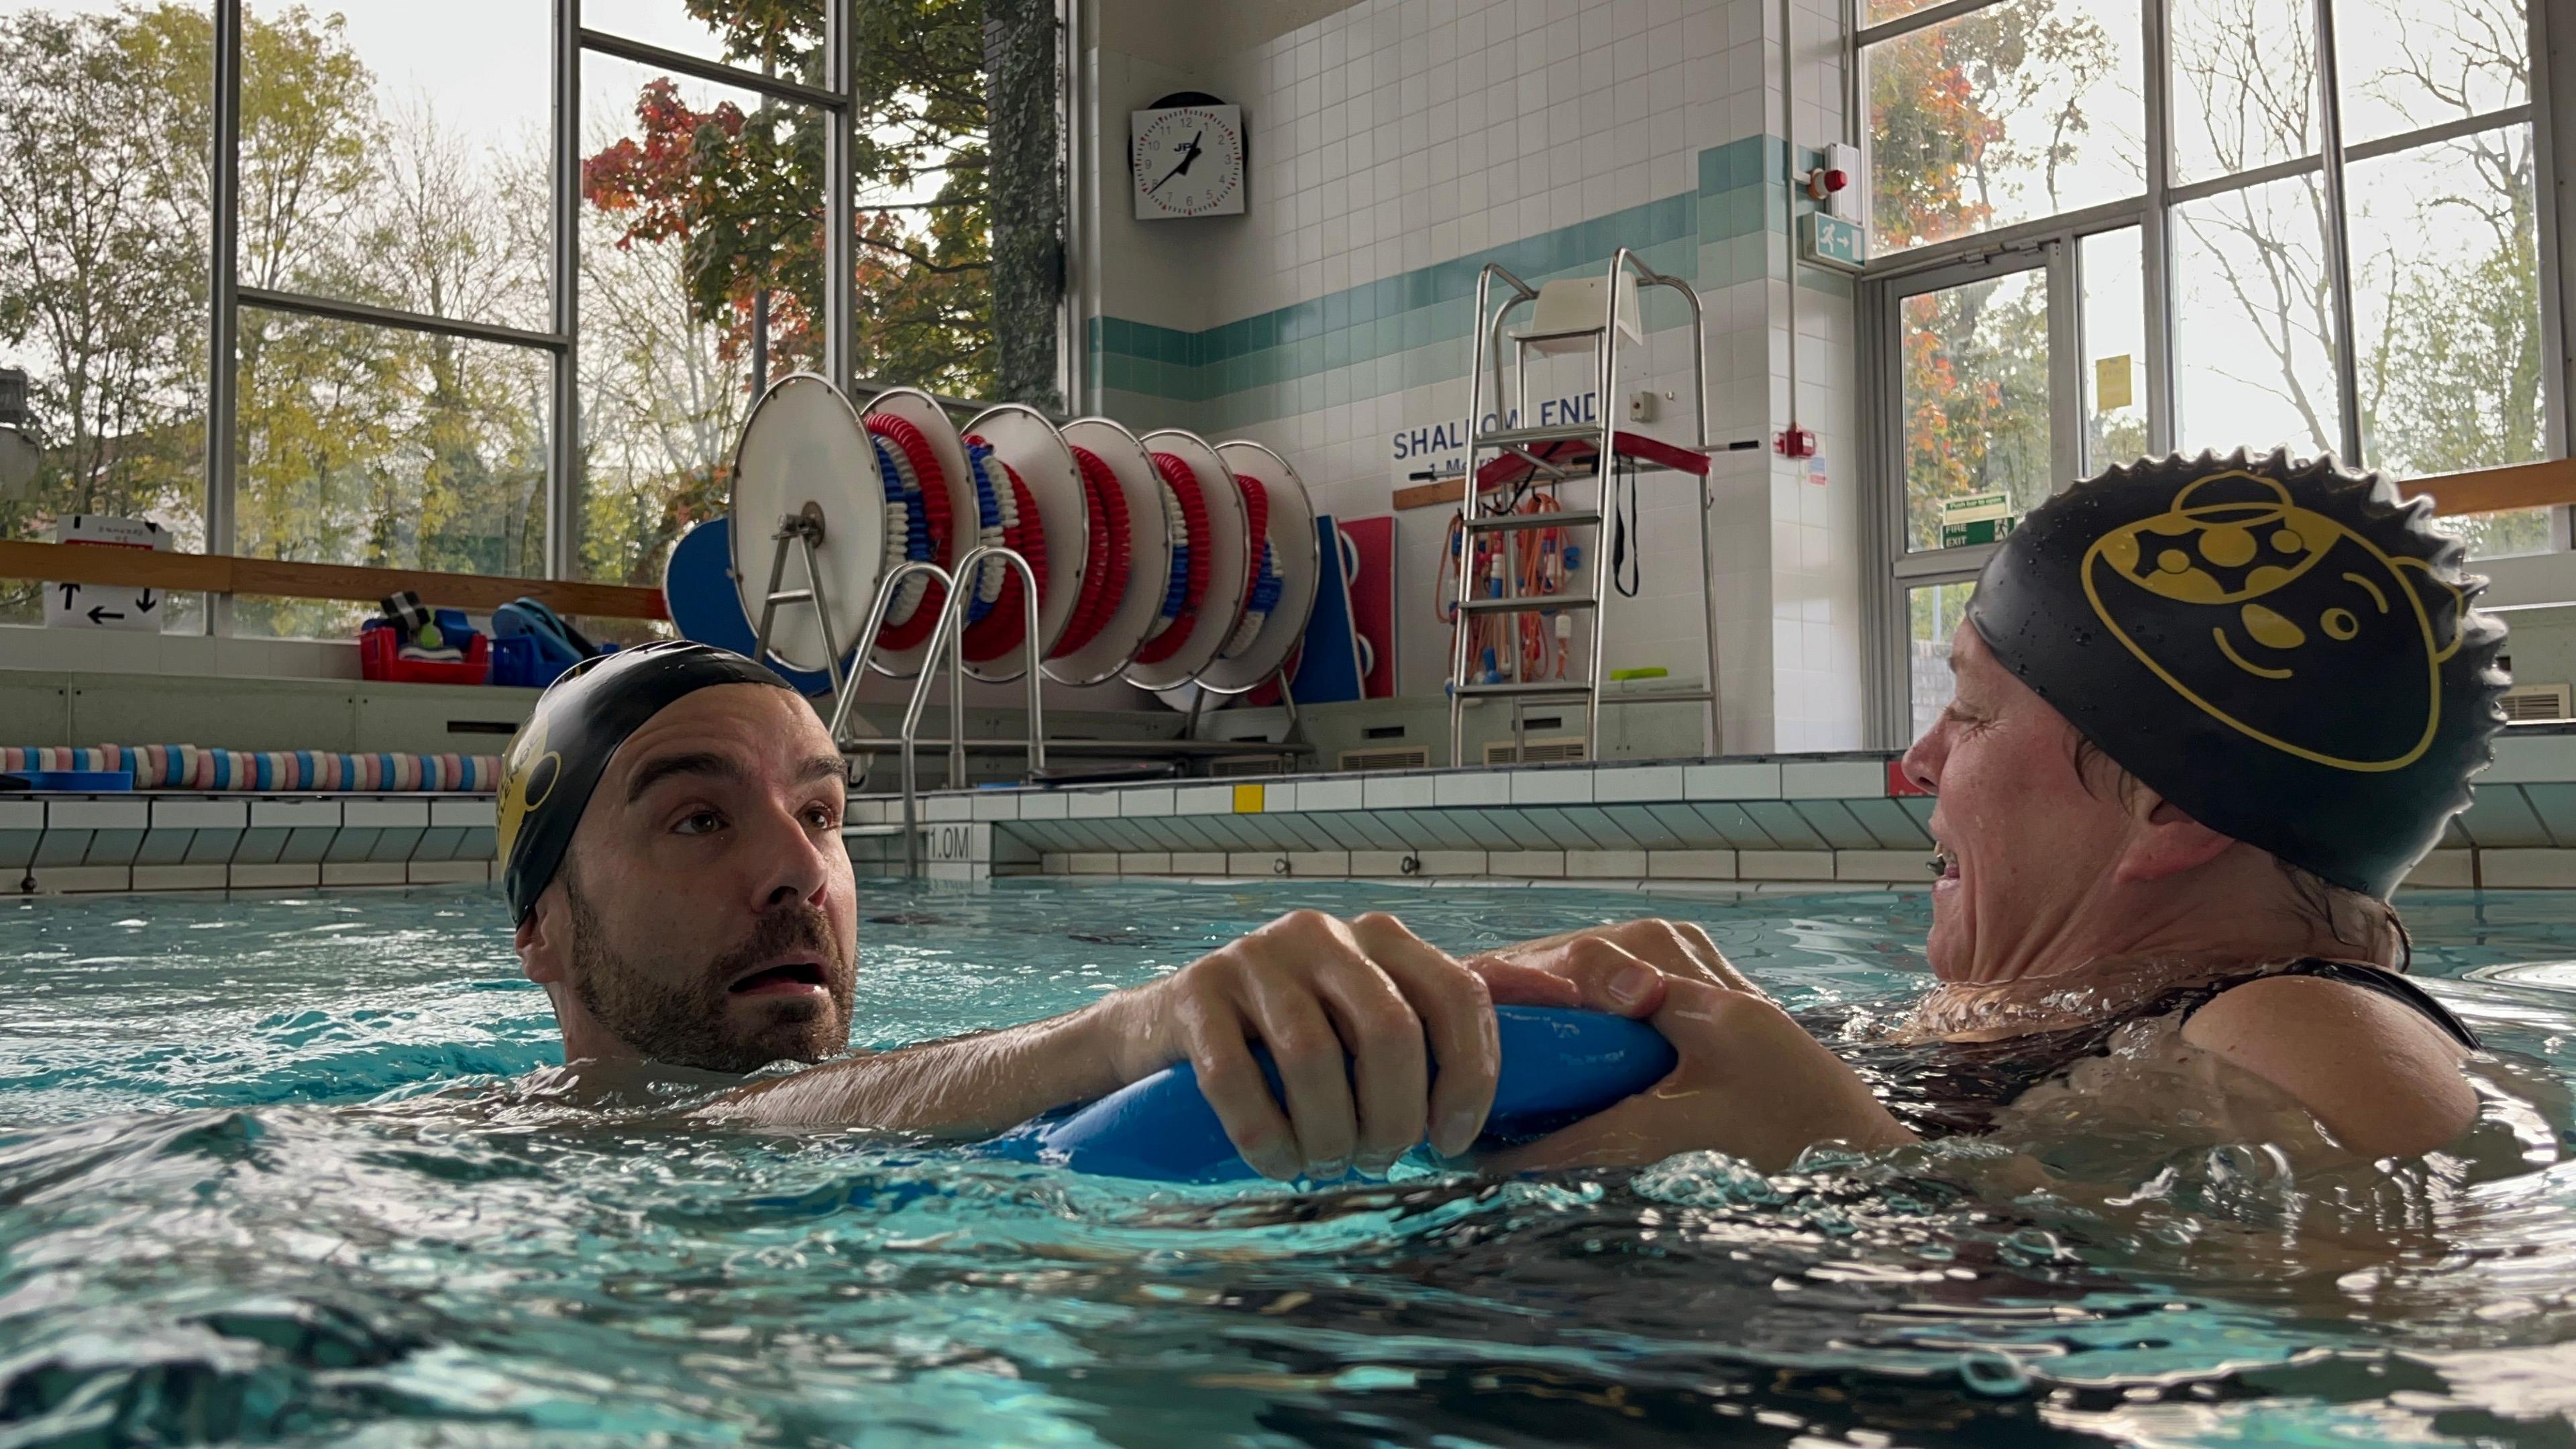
(686, 1023)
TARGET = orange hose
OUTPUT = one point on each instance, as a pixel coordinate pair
(1537, 559)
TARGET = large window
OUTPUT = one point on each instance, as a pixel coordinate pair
(505, 276)
(705, 237)
(2108, 228)
(2022, 109)
(103, 245)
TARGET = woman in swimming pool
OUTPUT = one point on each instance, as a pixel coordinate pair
(2209, 714)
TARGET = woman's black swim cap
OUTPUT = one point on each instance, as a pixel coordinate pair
(2280, 648)
(559, 754)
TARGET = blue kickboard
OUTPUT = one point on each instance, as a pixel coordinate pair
(697, 587)
(1558, 1067)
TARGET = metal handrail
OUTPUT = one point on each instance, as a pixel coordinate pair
(1699, 332)
(950, 629)
(865, 643)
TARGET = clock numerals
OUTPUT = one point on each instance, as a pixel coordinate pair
(1188, 161)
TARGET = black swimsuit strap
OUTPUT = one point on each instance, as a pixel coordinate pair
(1944, 1088)
(2371, 978)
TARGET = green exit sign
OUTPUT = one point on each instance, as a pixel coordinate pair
(1976, 518)
(1831, 240)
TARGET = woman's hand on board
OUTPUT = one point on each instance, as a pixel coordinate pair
(1751, 1082)
(1619, 968)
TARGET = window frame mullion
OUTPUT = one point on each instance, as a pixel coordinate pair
(2337, 239)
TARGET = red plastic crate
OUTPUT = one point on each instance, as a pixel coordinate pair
(378, 658)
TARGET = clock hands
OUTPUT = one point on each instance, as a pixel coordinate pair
(1189, 155)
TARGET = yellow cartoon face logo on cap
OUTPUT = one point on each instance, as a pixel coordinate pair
(2292, 628)
(528, 776)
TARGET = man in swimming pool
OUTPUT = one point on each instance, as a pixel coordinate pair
(2209, 714)
(670, 826)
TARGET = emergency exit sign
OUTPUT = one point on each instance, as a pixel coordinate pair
(1831, 240)
(1977, 518)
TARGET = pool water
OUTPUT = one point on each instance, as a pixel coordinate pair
(262, 1180)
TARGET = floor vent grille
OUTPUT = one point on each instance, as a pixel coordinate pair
(1541, 752)
(2525, 703)
(1245, 765)
(1386, 757)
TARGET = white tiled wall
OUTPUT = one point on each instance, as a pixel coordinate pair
(1817, 546)
(1390, 135)
(1399, 133)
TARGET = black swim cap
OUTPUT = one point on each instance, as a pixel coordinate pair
(558, 756)
(2280, 648)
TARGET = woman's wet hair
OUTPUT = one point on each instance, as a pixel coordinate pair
(2364, 923)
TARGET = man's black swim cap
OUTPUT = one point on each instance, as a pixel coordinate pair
(558, 756)
(2280, 648)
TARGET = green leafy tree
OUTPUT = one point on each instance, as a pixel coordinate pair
(2450, 361)
(729, 201)
(1974, 358)
(742, 192)
(102, 279)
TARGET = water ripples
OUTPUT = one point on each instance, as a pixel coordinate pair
(265, 1176)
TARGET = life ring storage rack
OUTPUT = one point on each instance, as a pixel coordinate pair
(1284, 570)
(1099, 644)
(1017, 449)
(892, 501)
(795, 466)
(920, 440)
(1204, 600)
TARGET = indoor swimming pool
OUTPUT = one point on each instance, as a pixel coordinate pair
(264, 1177)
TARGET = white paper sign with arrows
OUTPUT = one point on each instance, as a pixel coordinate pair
(106, 606)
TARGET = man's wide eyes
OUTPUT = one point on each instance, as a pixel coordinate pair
(704, 822)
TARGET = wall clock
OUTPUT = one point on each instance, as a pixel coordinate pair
(1187, 155)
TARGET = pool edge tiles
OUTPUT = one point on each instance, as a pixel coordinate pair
(1762, 824)
(171, 841)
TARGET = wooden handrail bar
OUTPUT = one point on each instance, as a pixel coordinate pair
(2481, 490)
(2493, 490)
(217, 573)
(2484, 490)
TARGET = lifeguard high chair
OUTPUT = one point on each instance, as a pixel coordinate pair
(1506, 464)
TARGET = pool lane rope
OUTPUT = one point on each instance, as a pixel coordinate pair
(1104, 582)
(992, 507)
(917, 517)
(1266, 583)
(907, 528)
(997, 630)
(1187, 587)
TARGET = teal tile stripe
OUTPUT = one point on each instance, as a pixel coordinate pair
(1715, 236)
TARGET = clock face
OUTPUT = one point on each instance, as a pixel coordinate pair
(1188, 161)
